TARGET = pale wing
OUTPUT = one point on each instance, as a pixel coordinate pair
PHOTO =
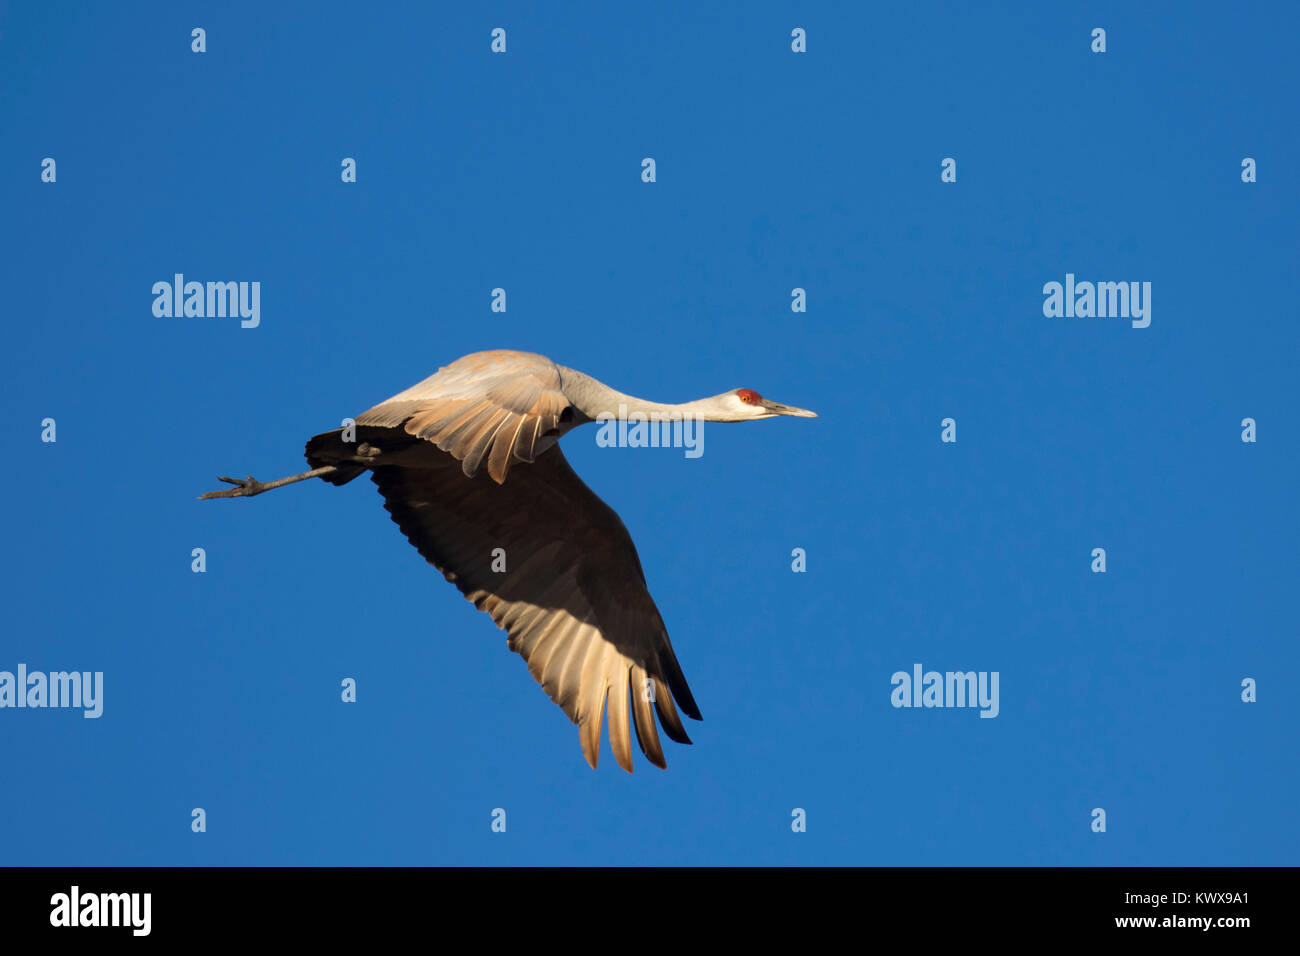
(572, 597)
(499, 407)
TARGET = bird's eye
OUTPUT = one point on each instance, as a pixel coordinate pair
(749, 396)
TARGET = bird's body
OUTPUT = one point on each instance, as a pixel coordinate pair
(469, 467)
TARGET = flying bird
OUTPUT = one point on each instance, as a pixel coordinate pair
(468, 462)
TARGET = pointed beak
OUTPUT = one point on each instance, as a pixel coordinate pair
(776, 408)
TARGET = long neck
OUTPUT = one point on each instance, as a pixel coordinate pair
(594, 398)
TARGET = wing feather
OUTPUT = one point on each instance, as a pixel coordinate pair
(572, 597)
(620, 740)
(488, 406)
(643, 719)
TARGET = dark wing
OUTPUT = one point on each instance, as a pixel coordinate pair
(499, 406)
(573, 598)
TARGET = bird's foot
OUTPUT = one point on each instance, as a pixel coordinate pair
(244, 488)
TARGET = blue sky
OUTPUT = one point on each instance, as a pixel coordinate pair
(775, 170)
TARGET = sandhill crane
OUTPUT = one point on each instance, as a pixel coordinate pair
(468, 463)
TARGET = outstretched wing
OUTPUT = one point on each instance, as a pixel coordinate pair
(572, 597)
(502, 406)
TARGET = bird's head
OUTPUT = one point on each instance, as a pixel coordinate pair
(748, 405)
